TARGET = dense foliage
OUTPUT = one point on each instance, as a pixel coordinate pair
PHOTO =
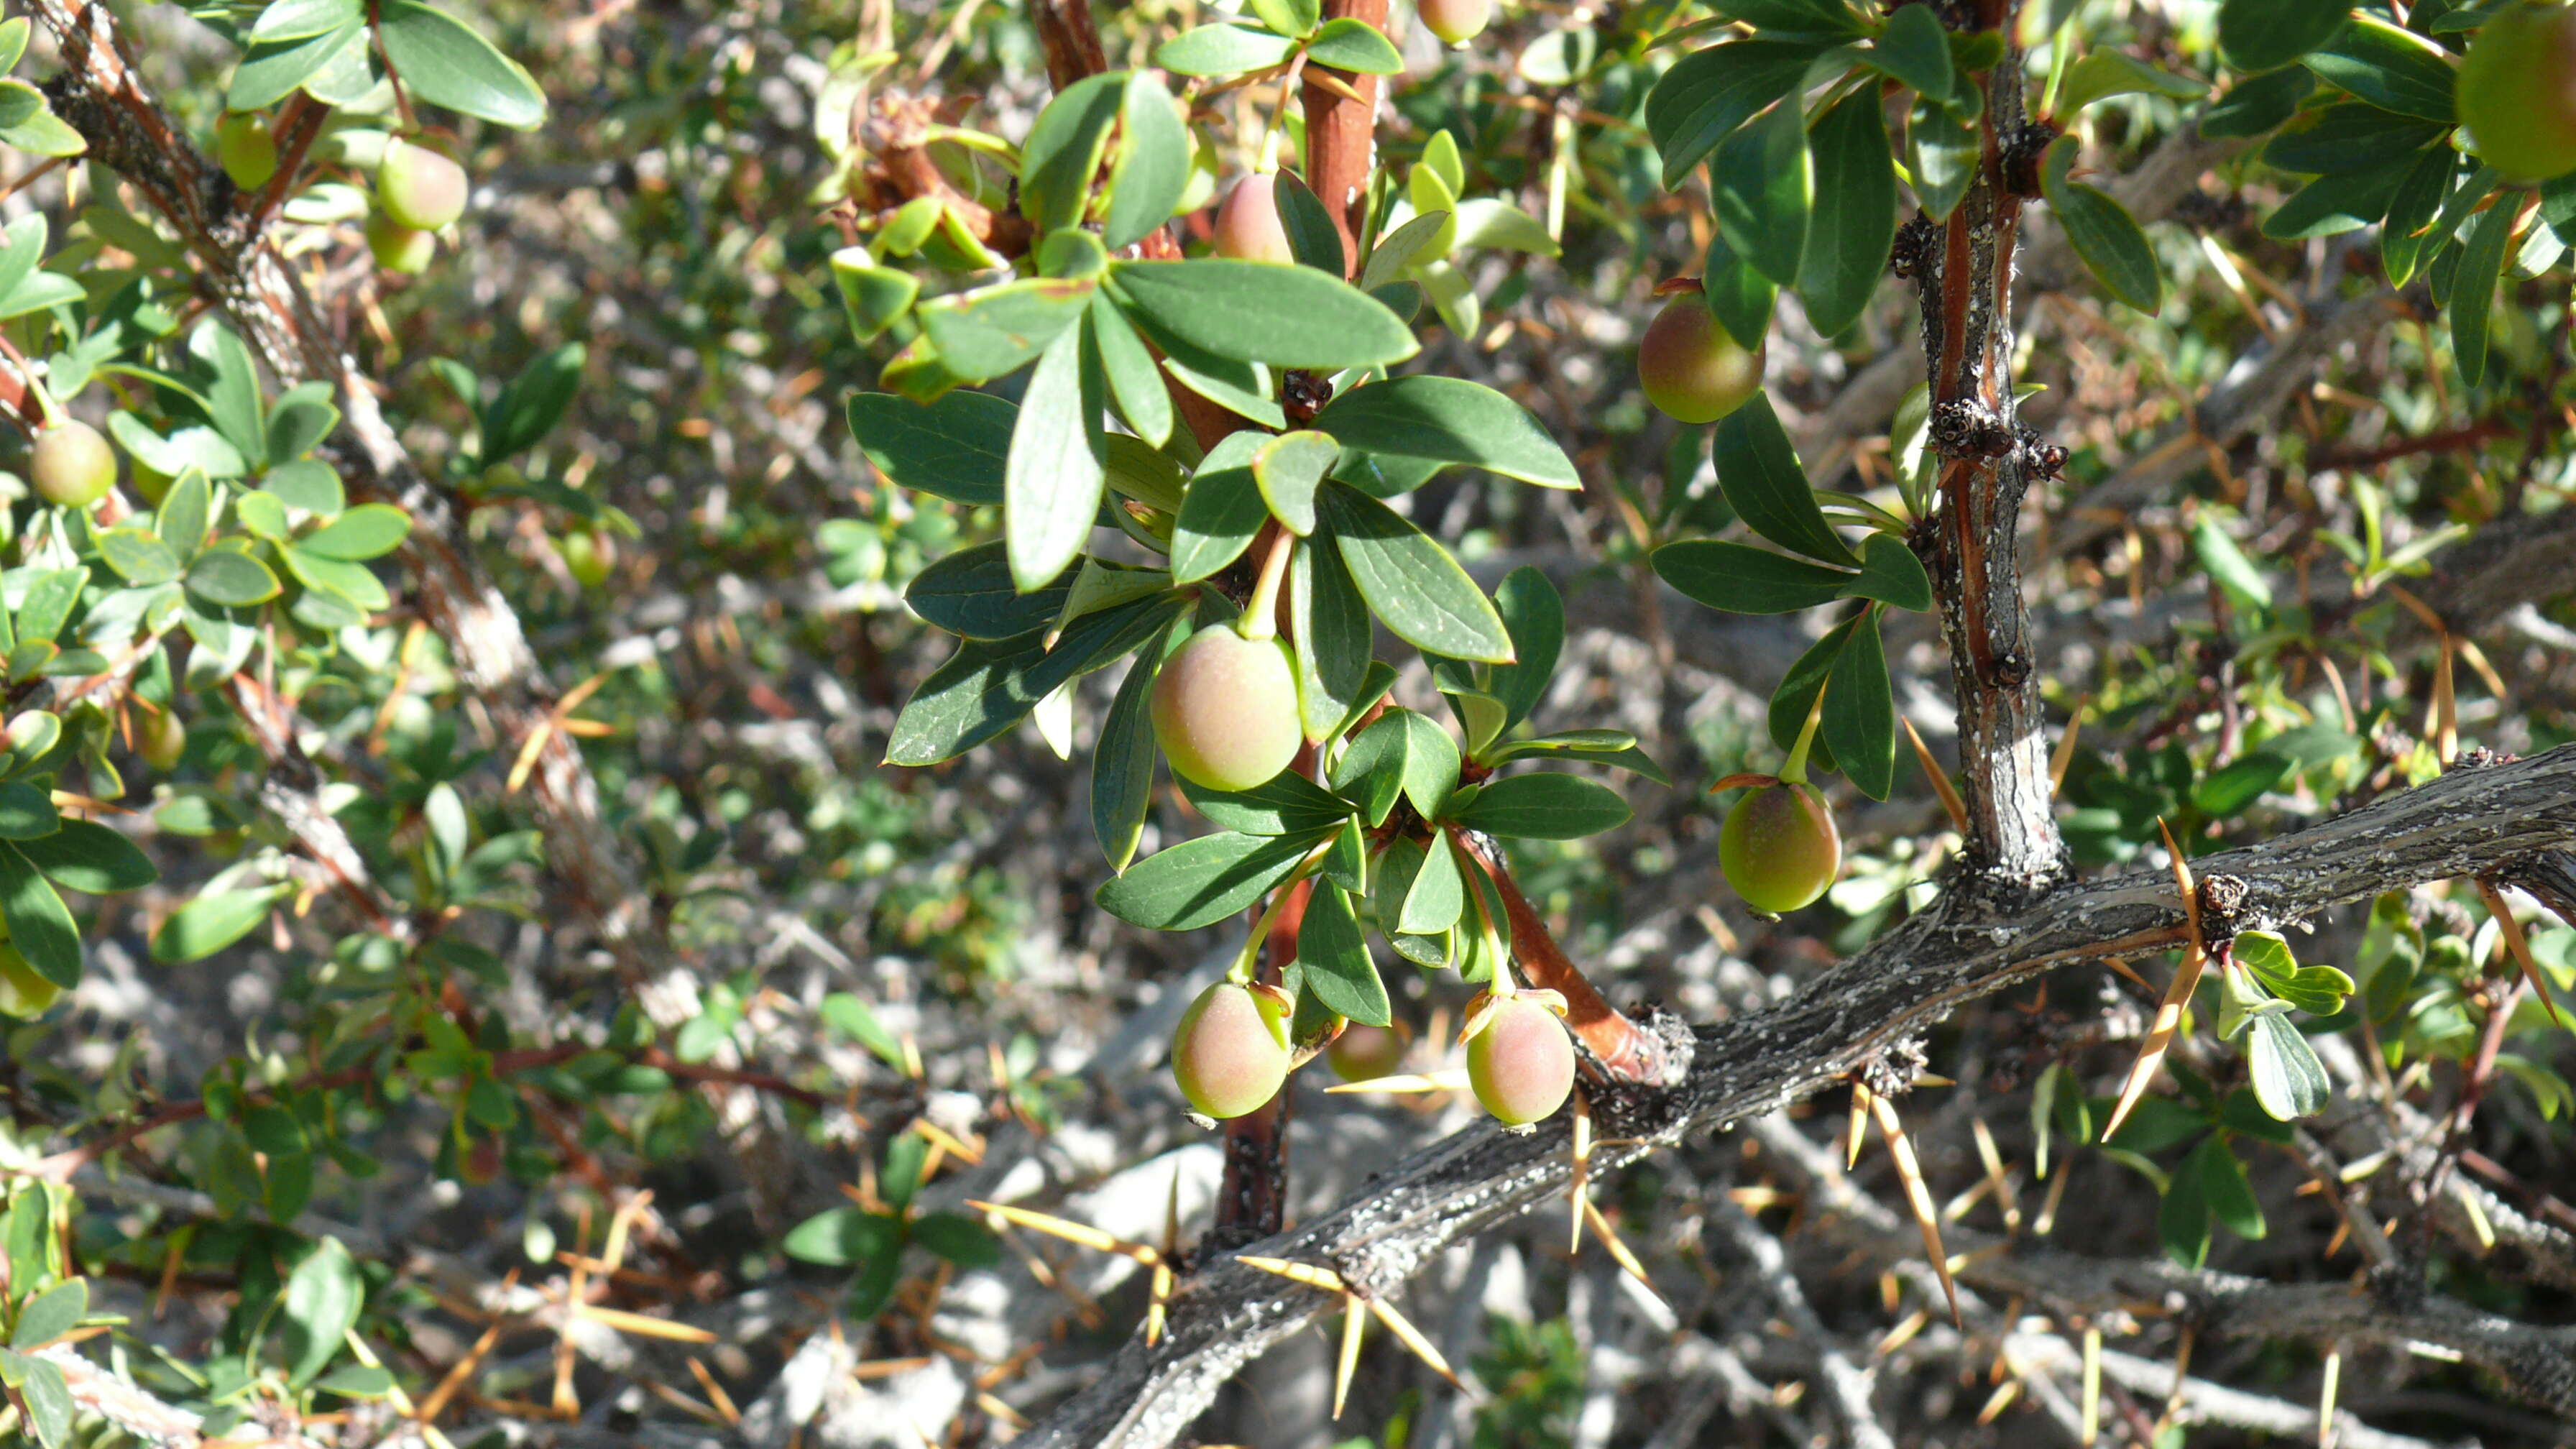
(680, 676)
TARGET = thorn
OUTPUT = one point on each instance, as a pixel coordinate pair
(1999, 1401)
(1306, 1273)
(1939, 777)
(2520, 946)
(1619, 1250)
(2065, 752)
(2160, 1036)
(1902, 1334)
(1580, 1202)
(1994, 1163)
(1354, 1323)
(2326, 1398)
(1413, 1339)
(1918, 1197)
(2181, 1372)
(1079, 1234)
(1859, 1124)
(1447, 1079)
(2091, 1432)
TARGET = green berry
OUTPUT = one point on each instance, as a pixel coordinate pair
(420, 188)
(161, 740)
(1522, 1063)
(1248, 227)
(72, 465)
(245, 149)
(590, 557)
(1691, 368)
(1230, 1052)
(1779, 848)
(1225, 709)
(1364, 1053)
(2517, 90)
(399, 248)
(1455, 21)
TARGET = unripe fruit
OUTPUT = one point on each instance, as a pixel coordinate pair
(419, 187)
(1247, 226)
(399, 248)
(590, 557)
(2517, 90)
(1225, 709)
(1691, 368)
(246, 151)
(149, 482)
(1779, 848)
(161, 740)
(1364, 1053)
(1226, 1053)
(1455, 21)
(72, 465)
(1522, 1063)
(24, 991)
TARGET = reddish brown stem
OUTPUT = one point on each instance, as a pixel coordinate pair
(1253, 1203)
(1341, 137)
(1626, 1050)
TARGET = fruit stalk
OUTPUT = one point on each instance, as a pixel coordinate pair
(1626, 1050)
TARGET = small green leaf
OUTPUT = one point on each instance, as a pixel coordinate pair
(186, 512)
(1411, 582)
(1200, 882)
(1221, 50)
(1335, 958)
(2288, 1079)
(1854, 219)
(370, 530)
(49, 1403)
(1437, 897)
(2232, 787)
(2226, 563)
(2473, 290)
(1914, 49)
(1149, 166)
(1761, 187)
(27, 812)
(51, 1314)
(970, 593)
(2392, 68)
(1701, 100)
(1742, 579)
(323, 1297)
(1311, 234)
(1760, 473)
(40, 925)
(955, 448)
(1943, 153)
(355, 583)
(2110, 241)
(2258, 35)
(447, 63)
(138, 557)
(1288, 468)
(235, 580)
(994, 330)
(1287, 804)
(2100, 74)
(1354, 45)
(2182, 1222)
(1063, 152)
(1052, 483)
(210, 923)
(1221, 511)
(957, 1239)
(1450, 419)
(531, 402)
(850, 1016)
(1860, 712)
(979, 692)
(1545, 806)
(1740, 297)
(1891, 574)
(1257, 312)
(1534, 615)
(843, 1237)
(2224, 1188)
(1330, 622)
(1797, 692)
